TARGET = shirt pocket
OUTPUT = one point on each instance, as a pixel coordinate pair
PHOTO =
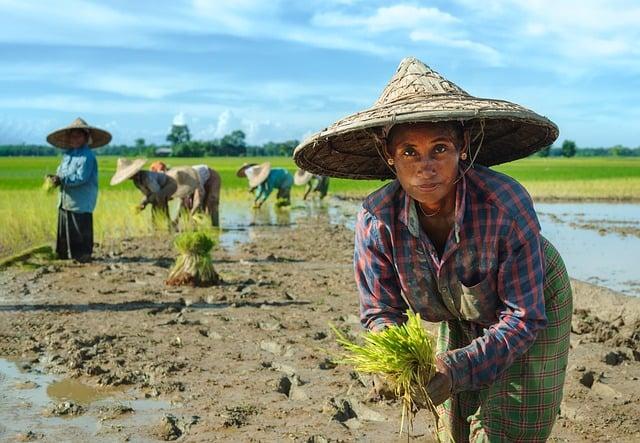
(478, 303)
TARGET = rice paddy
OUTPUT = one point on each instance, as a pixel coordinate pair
(28, 214)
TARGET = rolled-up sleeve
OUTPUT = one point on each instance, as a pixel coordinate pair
(381, 303)
(520, 287)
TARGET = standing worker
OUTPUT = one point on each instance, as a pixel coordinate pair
(77, 177)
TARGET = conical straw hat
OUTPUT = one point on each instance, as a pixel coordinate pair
(257, 174)
(126, 169)
(301, 177)
(97, 137)
(351, 147)
(241, 169)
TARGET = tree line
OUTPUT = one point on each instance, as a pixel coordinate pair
(180, 144)
(234, 144)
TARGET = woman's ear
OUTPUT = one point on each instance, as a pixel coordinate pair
(466, 140)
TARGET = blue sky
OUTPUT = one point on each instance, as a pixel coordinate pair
(285, 69)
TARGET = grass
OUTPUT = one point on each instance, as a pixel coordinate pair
(28, 214)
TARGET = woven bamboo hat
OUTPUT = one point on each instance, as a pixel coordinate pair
(125, 169)
(301, 177)
(256, 174)
(97, 137)
(352, 147)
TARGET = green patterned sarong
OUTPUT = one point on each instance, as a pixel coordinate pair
(522, 404)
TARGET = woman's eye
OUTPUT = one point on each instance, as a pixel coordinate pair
(440, 149)
(408, 152)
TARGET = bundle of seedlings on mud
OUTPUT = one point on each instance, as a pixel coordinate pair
(193, 266)
(49, 186)
(404, 355)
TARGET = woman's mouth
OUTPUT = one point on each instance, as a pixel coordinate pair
(427, 187)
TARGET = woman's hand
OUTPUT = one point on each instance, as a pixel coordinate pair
(440, 386)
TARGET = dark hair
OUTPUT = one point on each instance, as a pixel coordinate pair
(455, 126)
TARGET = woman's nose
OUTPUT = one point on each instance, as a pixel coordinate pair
(426, 166)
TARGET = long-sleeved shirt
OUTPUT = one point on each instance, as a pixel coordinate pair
(490, 273)
(279, 178)
(156, 186)
(78, 172)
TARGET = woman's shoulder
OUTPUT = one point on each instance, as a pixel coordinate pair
(384, 202)
(506, 194)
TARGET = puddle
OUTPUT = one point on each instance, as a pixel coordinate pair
(593, 250)
(27, 397)
(238, 220)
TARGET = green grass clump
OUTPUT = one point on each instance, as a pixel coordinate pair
(405, 355)
(193, 266)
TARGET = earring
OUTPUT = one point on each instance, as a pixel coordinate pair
(390, 161)
(463, 156)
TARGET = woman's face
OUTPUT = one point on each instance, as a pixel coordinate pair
(426, 157)
(77, 138)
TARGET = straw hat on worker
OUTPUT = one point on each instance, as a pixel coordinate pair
(256, 174)
(60, 138)
(301, 177)
(500, 131)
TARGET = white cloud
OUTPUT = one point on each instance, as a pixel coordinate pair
(388, 18)
(180, 119)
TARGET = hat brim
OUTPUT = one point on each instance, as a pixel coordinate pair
(60, 138)
(301, 177)
(351, 147)
(127, 172)
(257, 180)
(240, 172)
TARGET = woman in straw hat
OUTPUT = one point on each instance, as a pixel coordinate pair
(158, 187)
(263, 179)
(206, 197)
(460, 244)
(315, 183)
(77, 177)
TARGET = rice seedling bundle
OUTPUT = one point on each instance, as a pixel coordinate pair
(193, 266)
(49, 185)
(404, 355)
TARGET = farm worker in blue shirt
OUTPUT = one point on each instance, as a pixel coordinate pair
(263, 179)
(77, 177)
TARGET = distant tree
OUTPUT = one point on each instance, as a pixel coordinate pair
(568, 148)
(234, 144)
(188, 149)
(179, 134)
(544, 152)
(140, 144)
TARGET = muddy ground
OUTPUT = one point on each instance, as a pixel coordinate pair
(248, 360)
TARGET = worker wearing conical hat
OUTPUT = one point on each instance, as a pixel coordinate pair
(263, 180)
(157, 187)
(460, 244)
(77, 177)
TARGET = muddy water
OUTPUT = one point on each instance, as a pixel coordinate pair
(600, 242)
(27, 397)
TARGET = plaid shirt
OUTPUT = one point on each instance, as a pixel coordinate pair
(491, 272)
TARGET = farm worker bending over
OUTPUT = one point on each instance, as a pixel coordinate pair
(263, 180)
(315, 183)
(460, 244)
(158, 187)
(206, 197)
(77, 177)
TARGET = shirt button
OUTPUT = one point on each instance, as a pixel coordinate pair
(444, 289)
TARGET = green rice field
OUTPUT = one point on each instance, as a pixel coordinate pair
(28, 214)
